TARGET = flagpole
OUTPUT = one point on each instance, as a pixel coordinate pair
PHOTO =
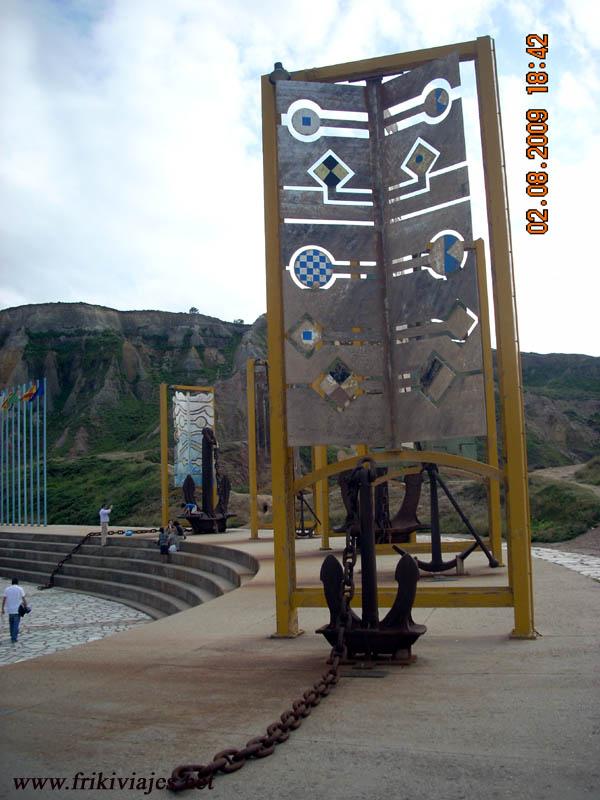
(25, 493)
(31, 515)
(2, 464)
(18, 459)
(12, 472)
(7, 466)
(45, 472)
(37, 434)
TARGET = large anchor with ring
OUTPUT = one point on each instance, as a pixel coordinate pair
(367, 636)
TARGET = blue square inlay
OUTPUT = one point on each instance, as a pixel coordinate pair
(307, 121)
(307, 336)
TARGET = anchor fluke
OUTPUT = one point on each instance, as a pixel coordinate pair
(365, 636)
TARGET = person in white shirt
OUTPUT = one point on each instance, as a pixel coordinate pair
(104, 520)
(13, 597)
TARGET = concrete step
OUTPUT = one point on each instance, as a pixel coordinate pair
(224, 574)
(197, 575)
(132, 600)
(226, 568)
(59, 538)
(190, 545)
(24, 554)
(127, 570)
(24, 572)
(49, 545)
(123, 593)
(187, 593)
(42, 567)
(191, 586)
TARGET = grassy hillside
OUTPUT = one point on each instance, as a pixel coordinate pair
(104, 368)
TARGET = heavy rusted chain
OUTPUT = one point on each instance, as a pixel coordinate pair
(200, 776)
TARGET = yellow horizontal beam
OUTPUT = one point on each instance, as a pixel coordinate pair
(182, 388)
(461, 463)
(397, 473)
(434, 597)
(456, 546)
(385, 65)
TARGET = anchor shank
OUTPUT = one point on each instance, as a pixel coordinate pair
(368, 564)
(436, 539)
(207, 473)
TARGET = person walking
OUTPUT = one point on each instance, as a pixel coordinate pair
(12, 599)
(104, 520)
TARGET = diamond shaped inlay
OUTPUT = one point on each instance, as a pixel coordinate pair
(339, 385)
(306, 335)
(436, 379)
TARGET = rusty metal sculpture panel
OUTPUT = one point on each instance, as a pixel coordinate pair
(192, 412)
(380, 298)
(432, 283)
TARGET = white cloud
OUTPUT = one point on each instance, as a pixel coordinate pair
(131, 171)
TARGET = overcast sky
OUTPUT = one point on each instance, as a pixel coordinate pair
(130, 145)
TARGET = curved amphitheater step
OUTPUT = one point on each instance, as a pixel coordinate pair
(128, 570)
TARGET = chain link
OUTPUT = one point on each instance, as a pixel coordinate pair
(201, 776)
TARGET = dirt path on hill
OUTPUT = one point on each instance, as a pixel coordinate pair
(566, 474)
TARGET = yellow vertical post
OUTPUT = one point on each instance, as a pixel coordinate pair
(252, 462)
(507, 337)
(164, 455)
(494, 511)
(281, 462)
(322, 495)
(362, 449)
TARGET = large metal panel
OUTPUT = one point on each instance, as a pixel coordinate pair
(380, 299)
(332, 283)
(192, 412)
(431, 282)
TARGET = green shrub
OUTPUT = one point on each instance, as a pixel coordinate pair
(590, 472)
(561, 511)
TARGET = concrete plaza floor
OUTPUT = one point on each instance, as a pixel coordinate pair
(477, 716)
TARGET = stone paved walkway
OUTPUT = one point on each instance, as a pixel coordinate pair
(60, 619)
(579, 562)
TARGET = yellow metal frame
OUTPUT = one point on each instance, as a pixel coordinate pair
(164, 440)
(252, 463)
(518, 594)
(252, 455)
(322, 495)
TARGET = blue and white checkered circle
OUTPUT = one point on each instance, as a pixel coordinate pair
(313, 268)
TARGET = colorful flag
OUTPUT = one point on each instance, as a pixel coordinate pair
(10, 400)
(30, 393)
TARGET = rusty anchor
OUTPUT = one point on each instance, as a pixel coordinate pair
(210, 519)
(367, 636)
(437, 563)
